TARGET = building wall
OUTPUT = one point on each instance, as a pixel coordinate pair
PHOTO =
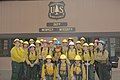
(84, 15)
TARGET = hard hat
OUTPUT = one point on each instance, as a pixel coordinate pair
(70, 38)
(41, 40)
(50, 41)
(21, 41)
(31, 40)
(26, 42)
(16, 40)
(54, 39)
(71, 43)
(62, 56)
(32, 45)
(91, 44)
(45, 41)
(78, 42)
(102, 42)
(38, 41)
(64, 41)
(85, 44)
(57, 42)
(48, 57)
(77, 57)
(82, 38)
(96, 40)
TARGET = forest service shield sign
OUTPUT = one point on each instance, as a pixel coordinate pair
(56, 10)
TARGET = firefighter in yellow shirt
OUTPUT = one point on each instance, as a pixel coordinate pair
(57, 52)
(82, 40)
(18, 57)
(38, 48)
(21, 43)
(78, 69)
(78, 47)
(25, 48)
(39, 54)
(72, 52)
(102, 65)
(32, 61)
(31, 41)
(48, 69)
(51, 47)
(92, 65)
(86, 59)
(64, 46)
(63, 69)
(44, 49)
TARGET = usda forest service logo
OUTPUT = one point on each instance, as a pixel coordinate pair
(56, 10)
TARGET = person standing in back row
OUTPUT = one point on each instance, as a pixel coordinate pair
(102, 65)
(18, 58)
(32, 61)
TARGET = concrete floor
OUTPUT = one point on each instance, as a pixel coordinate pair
(5, 73)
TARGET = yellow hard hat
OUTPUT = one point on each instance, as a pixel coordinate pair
(85, 44)
(31, 40)
(62, 56)
(70, 38)
(21, 41)
(16, 40)
(77, 57)
(91, 44)
(64, 41)
(41, 40)
(82, 38)
(48, 57)
(38, 41)
(78, 42)
(26, 42)
(50, 41)
(54, 39)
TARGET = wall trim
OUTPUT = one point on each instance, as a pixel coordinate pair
(78, 34)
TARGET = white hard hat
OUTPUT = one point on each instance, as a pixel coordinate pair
(71, 43)
(16, 40)
(32, 45)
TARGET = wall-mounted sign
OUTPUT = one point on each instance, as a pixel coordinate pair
(56, 10)
(60, 29)
(56, 24)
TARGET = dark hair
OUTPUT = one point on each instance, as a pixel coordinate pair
(103, 49)
(69, 49)
(29, 52)
(92, 51)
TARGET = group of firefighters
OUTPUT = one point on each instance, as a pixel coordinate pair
(59, 60)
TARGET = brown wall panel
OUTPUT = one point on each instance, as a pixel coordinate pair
(84, 15)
